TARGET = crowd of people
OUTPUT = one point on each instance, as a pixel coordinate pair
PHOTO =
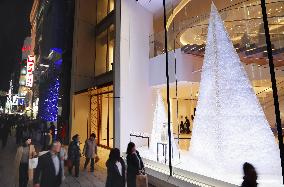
(42, 157)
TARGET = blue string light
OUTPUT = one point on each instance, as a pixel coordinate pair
(50, 103)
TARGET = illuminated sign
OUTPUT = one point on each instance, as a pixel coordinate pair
(26, 48)
(18, 100)
(29, 80)
(30, 69)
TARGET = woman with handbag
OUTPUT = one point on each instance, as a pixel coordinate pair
(115, 169)
(135, 165)
(23, 155)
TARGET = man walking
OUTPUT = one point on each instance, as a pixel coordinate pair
(49, 172)
(90, 151)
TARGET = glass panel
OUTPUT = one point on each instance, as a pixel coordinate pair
(111, 39)
(102, 115)
(111, 124)
(105, 121)
(102, 9)
(187, 34)
(101, 53)
(111, 5)
(275, 14)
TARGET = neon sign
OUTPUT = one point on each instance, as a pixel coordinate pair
(30, 70)
(26, 48)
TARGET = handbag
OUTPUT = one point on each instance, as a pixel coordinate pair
(33, 163)
(141, 180)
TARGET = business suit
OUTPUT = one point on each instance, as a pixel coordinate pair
(45, 174)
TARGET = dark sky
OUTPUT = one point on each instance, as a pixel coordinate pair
(15, 26)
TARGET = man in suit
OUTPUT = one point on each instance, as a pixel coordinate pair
(49, 172)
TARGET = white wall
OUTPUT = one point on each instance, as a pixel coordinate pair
(135, 91)
(80, 115)
(186, 65)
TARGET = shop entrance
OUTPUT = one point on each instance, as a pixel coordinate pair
(101, 115)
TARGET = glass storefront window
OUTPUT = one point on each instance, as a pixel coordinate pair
(102, 115)
(104, 51)
(240, 55)
(104, 7)
(275, 10)
(101, 53)
(111, 37)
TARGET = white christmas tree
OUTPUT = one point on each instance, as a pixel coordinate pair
(230, 127)
(160, 130)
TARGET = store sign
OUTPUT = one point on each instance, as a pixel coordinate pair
(18, 100)
(30, 70)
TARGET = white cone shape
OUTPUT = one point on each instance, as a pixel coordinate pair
(159, 133)
(230, 127)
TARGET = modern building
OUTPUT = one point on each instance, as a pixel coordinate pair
(119, 71)
(52, 40)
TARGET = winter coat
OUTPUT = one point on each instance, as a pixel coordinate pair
(20, 150)
(134, 164)
(114, 178)
(90, 149)
(74, 152)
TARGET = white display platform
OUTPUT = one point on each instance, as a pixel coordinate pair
(188, 169)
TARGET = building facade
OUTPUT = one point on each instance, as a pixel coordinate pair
(119, 82)
(52, 40)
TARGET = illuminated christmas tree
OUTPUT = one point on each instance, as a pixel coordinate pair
(230, 127)
(160, 128)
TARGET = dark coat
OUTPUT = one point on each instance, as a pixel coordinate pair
(248, 184)
(133, 168)
(74, 153)
(114, 179)
(45, 172)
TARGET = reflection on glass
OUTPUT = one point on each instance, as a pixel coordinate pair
(102, 9)
(101, 53)
(111, 37)
(102, 115)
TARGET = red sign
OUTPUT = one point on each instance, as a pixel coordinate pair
(26, 48)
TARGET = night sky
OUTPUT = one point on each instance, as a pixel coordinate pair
(15, 26)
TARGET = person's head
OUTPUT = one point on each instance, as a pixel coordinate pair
(55, 146)
(93, 136)
(185, 117)
(50, 131)
(131, 148)
(76, 137)
(114, 154)
(27, 141)
(249, 173)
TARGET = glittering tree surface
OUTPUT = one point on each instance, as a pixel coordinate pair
(159, 133)
(230, 127)
(50, 103)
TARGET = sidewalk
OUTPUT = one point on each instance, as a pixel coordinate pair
(7, 170)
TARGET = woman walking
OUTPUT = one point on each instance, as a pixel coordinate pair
(115, 169)
(74, 155)
(135, 165)
(24, 153)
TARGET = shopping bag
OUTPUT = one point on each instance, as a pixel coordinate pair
(33, 163)
(141, 180)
